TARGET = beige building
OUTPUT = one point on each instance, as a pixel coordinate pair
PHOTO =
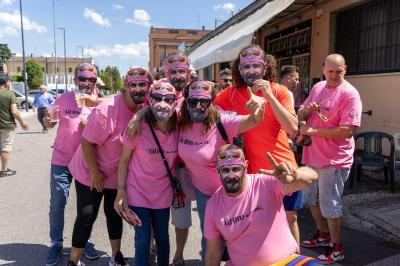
(366, 32)
(163, 41)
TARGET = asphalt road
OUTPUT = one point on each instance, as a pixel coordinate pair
(24, 206)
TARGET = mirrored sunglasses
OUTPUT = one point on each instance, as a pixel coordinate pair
(176, 59)
(251, 52)
(192, 102)
(225, 155)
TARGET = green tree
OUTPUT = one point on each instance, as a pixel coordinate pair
(5, 54)
(35, 74)
(111, 78)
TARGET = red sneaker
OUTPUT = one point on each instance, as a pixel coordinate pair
(320, 239)
(333, 254)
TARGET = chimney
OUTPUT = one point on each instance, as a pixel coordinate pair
(203, 27)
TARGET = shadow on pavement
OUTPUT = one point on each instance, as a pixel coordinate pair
(23, 254)
(360, 248)
(29, 132)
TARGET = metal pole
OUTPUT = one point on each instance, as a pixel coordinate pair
(65, 59)
(55, 49)
(23, 59)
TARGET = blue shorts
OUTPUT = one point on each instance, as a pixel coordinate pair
(293, 202)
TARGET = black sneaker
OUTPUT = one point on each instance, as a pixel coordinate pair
(7, 172)
(118, 260)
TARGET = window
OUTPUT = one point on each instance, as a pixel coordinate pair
(368, 36)
(18, 69)
(192, 32)
(70, 69)
(173, 31)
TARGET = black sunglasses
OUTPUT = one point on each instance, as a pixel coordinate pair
(192, 102)
(83, 79)
(169, 98)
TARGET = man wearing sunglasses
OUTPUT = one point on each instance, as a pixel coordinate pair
(333, 112)
(225, 79)
(247, 211)
(71, 124)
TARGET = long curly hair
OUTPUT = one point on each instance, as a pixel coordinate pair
(269, 75)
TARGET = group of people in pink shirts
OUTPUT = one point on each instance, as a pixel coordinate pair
(155, 138)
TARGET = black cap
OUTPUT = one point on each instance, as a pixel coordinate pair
(3, 78)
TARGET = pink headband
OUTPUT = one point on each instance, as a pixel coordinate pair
(230, 160)
(252, 54)
(86, 70)
(138, 74)
(163, 88)
(200, 88)
(175, 61)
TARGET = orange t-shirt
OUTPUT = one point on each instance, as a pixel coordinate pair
(268, 135)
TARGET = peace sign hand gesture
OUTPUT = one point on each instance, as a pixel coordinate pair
(283, 171)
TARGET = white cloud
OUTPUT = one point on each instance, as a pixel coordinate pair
(140, 17)
(96, 17)
(228, 7)
(117, 7)
(130, 50)
(4, 3)
(12, 22)
(7, 30)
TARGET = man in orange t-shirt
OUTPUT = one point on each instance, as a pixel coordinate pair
(254, 69)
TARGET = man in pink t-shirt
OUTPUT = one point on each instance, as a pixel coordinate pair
(95, 163)
(333, 112)
(247, 211)
(72, 120)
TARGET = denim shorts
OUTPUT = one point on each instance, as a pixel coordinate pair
(293, 202)
(327, 191)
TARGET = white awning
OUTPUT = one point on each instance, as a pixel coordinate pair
(227, 45)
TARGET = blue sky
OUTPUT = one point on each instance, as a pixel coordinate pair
(114, 32)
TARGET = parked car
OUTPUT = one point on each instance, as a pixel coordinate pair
(21, 99)
(33, 93)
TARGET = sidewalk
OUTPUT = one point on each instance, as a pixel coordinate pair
(26, 114)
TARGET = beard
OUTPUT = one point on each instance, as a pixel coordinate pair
(161, 114)
(232, 185)
(138, 97)
(178, 83)
(197, 115)
(250, 78)
(86, 88)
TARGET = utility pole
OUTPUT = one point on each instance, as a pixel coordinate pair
(23, 58)
(65, 59)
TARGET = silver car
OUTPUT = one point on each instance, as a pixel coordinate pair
(21, 99)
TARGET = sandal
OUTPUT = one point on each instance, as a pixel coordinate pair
(7, 172)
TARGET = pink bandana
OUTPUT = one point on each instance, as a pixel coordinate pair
(252, 54)
(138, 74)
(163, 88)
(200, 88)
(86, 70)
(175, 61)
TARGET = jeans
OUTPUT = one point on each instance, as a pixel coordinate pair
(60, 181)
(201, 200)
(159, 220)
(40, 116)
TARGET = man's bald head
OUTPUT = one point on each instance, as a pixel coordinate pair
(334, 70)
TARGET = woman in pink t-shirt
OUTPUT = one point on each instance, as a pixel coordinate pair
(95, 163)
(143, 181)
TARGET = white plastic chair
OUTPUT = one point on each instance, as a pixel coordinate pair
(397, 148)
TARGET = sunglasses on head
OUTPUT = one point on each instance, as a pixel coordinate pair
(176, 59)
(140, 84)
(251, 52)
(90, 69)
(201, 86)
(136, 72)
(84, 79)
(247, 66)
(228, 169)
(192, 102)
(225, 155)
(180, 71)
(168, 98)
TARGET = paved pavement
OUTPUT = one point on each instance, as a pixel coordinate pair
(24, 201)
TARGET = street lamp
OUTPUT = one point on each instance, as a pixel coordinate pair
(23, 58)
(65, 59)
(55, 47)
(82, 47)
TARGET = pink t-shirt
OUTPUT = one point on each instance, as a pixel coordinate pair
(68, 133)
(253, 224)
(342, 106)
(199, 151)
(105, 125)
(147, 183)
